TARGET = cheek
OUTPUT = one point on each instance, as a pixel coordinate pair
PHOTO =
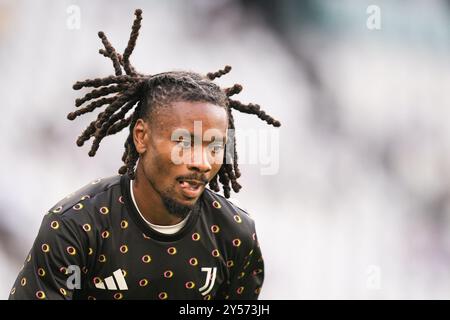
(215, 168)
(158, 164)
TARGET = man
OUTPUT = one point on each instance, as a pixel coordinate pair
(154, 231)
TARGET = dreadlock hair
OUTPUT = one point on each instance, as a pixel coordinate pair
(127, 90)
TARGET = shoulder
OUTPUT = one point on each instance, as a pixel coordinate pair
(229, 214)
(98, 195)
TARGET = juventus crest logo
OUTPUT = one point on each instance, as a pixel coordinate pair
(210, 280)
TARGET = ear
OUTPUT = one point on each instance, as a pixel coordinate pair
(141, 134)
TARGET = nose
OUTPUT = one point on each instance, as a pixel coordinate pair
(200, 161)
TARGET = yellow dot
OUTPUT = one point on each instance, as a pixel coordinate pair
(215, 253)
(85, 197)
(105, 234)
(237, 219)
(90, 251)
(41, 272)
(207, 297)
(216, 204)
(58, 209)
(163, 296)
(71, 250)
(230, 263)
(13, 290)
(45, 247)
(236, 242)
(78, 206)
(104, 210)
(118, 296)
(146, 258)
(196, 236)
(190, 285)
(54, 225)
(124, 249)
(102, 258)
(87, 227)
(168, 274)
(240, 290)
(257, 271)
(23, 281)
(193, 261)
(124, 224)
(143, 282)
(40, 295)
(63, 291)
(172, 251)
(29, 258)
(215, 229)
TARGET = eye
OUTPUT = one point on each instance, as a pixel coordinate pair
(217, 147)
(185, 144)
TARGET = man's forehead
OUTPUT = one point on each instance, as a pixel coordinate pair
(186, 114)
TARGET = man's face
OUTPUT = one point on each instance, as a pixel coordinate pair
(181, 149)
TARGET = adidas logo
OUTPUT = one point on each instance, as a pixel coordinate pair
(110, 284)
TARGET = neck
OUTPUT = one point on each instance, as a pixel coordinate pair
(149, 201)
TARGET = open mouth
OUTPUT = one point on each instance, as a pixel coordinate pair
(190, 188)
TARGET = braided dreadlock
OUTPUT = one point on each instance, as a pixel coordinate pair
(122, 93)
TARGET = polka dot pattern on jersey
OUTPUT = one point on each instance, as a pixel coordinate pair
(215, 253)
(45, 247)
(143, 282)
(78, 207)
(193, 261)
(41, 272)
(172, 251)
(54, 225)
(163, 296)
(236, 242)
(57, 210)
(168, 274)
(105, 234)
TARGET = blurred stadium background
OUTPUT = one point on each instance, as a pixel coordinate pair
(360, 206)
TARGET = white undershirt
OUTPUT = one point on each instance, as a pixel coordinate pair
(162, 229)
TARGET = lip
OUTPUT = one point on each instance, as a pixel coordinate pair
(191, 188)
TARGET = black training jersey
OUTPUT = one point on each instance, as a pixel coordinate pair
(95, 245)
